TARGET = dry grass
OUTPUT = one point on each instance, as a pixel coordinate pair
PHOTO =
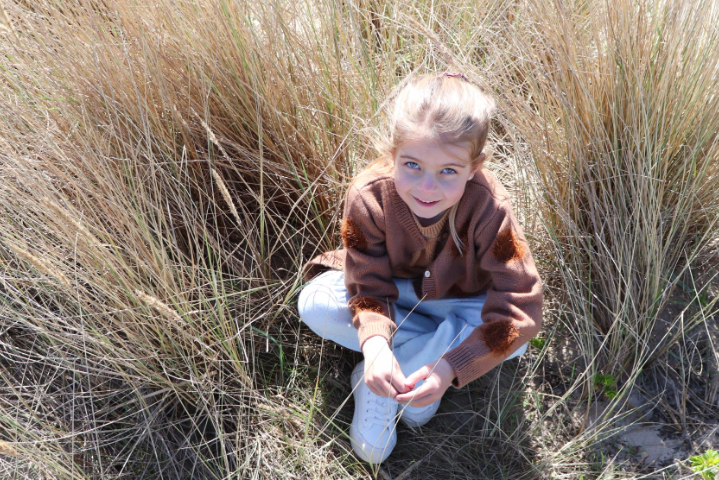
(167, 168)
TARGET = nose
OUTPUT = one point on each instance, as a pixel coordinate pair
(427, 184)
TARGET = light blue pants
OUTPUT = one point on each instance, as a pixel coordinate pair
(426, 330)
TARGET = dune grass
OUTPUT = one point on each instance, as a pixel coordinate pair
(167, 168)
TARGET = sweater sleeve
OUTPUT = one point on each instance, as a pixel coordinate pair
(512, 311)
(367, 270)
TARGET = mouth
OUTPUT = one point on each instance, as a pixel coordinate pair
(425, 204)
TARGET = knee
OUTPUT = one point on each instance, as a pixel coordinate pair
(306, 302)
(314, 303)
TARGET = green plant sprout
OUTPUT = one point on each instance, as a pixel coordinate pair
(607, 383)
(537, 342)
(706, 464)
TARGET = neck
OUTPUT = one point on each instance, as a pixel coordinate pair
(426, 222)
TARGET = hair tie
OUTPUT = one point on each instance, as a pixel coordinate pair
(460, 75)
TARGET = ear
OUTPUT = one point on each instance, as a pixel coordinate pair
(480, 159)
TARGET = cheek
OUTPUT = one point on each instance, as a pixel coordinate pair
(402, 182)
(454, 192)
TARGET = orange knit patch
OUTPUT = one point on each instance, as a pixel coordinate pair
(365, 304)
(352, 236)
(507, 247)
(499, 335)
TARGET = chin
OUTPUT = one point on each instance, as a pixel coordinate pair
(425, 216)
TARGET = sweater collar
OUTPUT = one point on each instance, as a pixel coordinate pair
(433, 230)
(406, 219)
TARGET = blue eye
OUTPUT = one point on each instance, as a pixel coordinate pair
(415, 163)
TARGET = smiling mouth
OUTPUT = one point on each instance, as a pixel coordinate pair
(427, 204)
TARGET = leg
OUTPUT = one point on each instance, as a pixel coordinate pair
(441, 330)
(453, 320)
(426, 329)
(322, 305)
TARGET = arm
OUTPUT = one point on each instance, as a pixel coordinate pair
(368, 278)
(512, 312)
(368, 274)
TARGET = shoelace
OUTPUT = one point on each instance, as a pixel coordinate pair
(378, 407)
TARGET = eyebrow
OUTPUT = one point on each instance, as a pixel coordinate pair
(445, 165)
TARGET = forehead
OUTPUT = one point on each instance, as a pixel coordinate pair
(434, 152)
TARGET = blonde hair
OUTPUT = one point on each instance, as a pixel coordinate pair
(445, 108)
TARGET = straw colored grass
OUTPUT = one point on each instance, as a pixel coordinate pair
(167, 168)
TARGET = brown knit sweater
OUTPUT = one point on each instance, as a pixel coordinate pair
(382, 238)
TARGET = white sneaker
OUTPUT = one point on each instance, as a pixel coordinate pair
(374, 425)
(417, 416)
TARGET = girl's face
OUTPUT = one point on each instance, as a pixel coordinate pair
(428, 171)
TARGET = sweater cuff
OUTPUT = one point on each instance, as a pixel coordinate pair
(466, 360)
(370, 327)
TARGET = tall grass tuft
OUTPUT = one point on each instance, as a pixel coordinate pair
(618, 108)
(166, 169)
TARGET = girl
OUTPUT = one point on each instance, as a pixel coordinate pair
(414, 301)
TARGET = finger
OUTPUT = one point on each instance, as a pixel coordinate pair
(419, 394)
(383, 387)
(378, 387)
(413, 396)
(416, 376)
(399, 384)
(424, 402)
(397, 379)
(386, 389)
(407, 399)
(410, 399)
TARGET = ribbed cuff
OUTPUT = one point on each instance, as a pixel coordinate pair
(371, 329)
(467, 362)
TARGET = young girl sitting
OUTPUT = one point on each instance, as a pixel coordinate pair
(435, 283)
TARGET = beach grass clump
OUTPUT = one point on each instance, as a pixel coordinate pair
(167, 168)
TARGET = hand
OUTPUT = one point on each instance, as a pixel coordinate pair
(435, 384)
(382, 372)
